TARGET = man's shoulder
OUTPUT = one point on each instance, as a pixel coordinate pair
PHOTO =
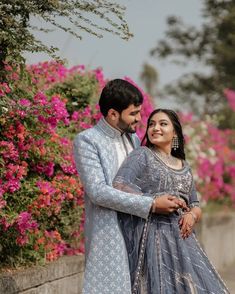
(87, 134)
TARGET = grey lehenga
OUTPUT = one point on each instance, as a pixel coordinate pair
(160, 261)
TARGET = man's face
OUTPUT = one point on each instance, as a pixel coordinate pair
(129, 119)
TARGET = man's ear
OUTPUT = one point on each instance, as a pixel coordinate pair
(113, 114)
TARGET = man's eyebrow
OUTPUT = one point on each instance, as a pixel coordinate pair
(135, 111)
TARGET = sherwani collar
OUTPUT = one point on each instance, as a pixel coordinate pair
(112, 132)
(108, 129)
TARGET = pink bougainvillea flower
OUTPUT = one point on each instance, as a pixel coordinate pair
(2, 203)
(22, 240)
(40, 98)
(12, 185)
(75, 116)
(69, 169)
(24, 222)
(49, 169)
(24, 102)
(5, 224)
(230, 95)
(186, 117)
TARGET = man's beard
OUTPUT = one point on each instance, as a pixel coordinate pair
(126, 128)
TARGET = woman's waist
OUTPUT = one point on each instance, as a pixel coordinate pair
(166, 218)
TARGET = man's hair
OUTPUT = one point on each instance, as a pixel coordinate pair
(119, 95)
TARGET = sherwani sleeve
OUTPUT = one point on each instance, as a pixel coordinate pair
(99, 192)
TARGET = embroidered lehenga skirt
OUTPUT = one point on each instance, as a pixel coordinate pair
(170, 264)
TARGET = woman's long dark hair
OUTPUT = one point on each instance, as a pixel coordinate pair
(179, 152)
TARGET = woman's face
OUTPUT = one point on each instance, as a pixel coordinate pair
(160, 130)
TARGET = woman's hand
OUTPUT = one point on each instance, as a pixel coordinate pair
(186, 223)
(188, 220)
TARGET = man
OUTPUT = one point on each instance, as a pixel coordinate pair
(99, 152)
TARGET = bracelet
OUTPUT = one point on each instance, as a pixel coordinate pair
(193, 215)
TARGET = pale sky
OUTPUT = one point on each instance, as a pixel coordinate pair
(119, 58)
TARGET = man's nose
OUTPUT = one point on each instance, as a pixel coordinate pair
(138, 117)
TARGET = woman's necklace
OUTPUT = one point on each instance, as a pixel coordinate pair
(167, 159)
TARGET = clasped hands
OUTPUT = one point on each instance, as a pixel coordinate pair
(167, 204)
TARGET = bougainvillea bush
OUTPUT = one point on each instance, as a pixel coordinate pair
(211, 152)
(41, 197)
(40, 193)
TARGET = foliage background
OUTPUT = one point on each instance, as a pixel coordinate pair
(17, 33)
(209, 46)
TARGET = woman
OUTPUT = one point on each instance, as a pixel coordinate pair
(164, 254)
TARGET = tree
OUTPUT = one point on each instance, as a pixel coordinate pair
(16, 31)
(149, 77)
(211, 45)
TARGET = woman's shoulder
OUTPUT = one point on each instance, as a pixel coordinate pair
(139, 151)
(188, 166)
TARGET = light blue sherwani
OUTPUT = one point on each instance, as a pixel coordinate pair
(106, 270)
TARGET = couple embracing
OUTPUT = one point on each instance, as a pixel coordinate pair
(141, 204)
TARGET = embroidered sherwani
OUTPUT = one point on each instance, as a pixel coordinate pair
(98, 155)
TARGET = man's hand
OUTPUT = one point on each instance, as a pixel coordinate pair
(166, 204)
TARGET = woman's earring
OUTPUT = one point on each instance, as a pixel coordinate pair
(175, 143)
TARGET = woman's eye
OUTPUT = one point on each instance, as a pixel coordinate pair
(163, 124)
(151, 124)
